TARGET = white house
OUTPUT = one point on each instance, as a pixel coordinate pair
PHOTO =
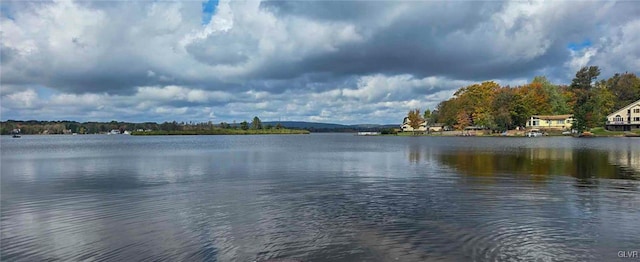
(406, 126)
(437, 127)
(625, 119)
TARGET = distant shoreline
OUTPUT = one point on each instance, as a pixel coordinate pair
(223, 132)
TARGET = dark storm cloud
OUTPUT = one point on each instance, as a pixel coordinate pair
(461, 40)
(328, 10)
(424, 41)
(313, 82)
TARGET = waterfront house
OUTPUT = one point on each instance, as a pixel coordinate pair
(625, 119)
(436, 127)
(406, 126)
(557, 122)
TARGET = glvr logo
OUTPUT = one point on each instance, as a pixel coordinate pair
(628, 254)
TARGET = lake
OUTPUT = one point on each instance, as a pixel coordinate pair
(319, 197)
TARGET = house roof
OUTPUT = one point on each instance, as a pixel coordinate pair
(552, 117)
(617, 112)
(406, 121)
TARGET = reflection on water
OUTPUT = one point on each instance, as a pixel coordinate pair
(322, 197)
(541, 163)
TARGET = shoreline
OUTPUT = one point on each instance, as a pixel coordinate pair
(218, 132)
(596, 132)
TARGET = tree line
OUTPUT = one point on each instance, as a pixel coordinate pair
(64, 127)
(491, 106)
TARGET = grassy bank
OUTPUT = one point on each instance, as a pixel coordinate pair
(600, 131)
(220, 131)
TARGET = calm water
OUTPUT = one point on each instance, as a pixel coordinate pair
(319, 197)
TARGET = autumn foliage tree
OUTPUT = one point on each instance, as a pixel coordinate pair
(501, 108)
(473, 105)
(415, 119)
(535, 98)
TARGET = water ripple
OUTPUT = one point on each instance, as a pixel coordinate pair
(317, 198)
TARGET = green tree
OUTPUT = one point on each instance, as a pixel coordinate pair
(427, 116)
(509, 110)
(447, 112)
(624, 87)
(256, 123)
(583, 110)
(244, 125)
(585, 77)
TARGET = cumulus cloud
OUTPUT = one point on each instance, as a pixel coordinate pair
(333, 61)
(21, 100)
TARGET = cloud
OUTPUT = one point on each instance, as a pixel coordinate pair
(335, 61)
(21, 100)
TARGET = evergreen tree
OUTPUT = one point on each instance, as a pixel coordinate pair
(256, 123)
(583, 110)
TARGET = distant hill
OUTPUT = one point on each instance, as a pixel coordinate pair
(329, 127)
(302, 124)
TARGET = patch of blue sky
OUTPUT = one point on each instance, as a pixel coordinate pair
(579, 46)
(45, 93)
(208, 9)
(5, 11)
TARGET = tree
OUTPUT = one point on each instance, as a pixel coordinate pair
(427, 116)
(585, 77)
(584, 106)
(475, 104)
(73, 127)
(624, 87)
(509, 110)
(447, 112)
(415, 119)
(244, 125)
(463, 120)
(556, 102)
(256, 123)
(603, 102)
(535, 98)
(278, 126)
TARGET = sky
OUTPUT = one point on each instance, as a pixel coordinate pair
(348, 62)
